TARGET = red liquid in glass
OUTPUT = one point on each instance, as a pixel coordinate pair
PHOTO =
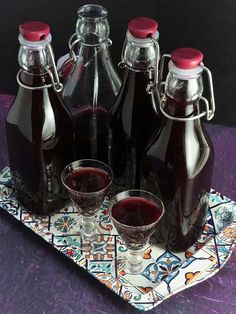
(135, 212)
(88, 179)
(177, 167)
(89, 187)
(133, 121)
(40, 140)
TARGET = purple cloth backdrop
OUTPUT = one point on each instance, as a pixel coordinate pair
(34, 278)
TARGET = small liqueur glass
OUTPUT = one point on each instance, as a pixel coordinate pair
(87, 182)
(135, 214)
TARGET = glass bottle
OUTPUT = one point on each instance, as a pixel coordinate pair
(91, 83)
(177, 165)
(39, 128)
(134, 116)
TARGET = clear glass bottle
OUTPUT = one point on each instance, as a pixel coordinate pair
(177, 165)
(134, 116)
(39, 128)
(91, 83)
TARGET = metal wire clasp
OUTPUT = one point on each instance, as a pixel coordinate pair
(74, 40)
(55, 82)
(57, 85)
(152, 84)
(210, 110)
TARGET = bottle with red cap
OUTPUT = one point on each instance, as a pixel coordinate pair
(91, 82)
(134, 116)
(177, 165)
(39, 128)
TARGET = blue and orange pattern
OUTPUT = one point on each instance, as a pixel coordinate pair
(169, 274)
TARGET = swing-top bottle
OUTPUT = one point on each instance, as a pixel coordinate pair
(39, 128)
(134, 116)
(178, 163)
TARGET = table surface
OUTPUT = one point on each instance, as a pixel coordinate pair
(35, 278)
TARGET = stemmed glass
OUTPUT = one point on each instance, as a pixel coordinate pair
(135, 214)
(87, 182)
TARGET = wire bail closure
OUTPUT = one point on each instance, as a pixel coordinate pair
(151, 85)
(154, 83)
(210, 110)
(56, 84)
(28, 86)
(74, 40)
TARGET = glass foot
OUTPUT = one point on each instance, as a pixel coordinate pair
(131, 274)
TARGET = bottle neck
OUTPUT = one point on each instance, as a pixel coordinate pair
(92, 31)
(91, 40)
(182, 98)
(182, 90)
(92, 27)
(37, 59)
(138, 80)
(32, 80)
(141, 54)
(179, 109)
(34, 60)
(89, 52)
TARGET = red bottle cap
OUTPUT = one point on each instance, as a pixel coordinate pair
(142, 27)
(34, 31)
(187, 58)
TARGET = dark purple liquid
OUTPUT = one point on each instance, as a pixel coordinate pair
(177, 167)
(93, 183)
(134, 120)
(40, 140)
(88, 179)
(135, 212)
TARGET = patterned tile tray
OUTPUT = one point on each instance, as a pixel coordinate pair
(170, 274)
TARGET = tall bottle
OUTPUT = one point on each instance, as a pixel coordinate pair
(91, 83)
(177, 165)
(39, 128)
(134, 116)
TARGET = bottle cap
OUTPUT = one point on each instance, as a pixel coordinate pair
(186, 58)
(34, 31)
(142, 27)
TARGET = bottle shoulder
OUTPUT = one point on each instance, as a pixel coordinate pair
(27, 100)
(93, 73)
(133, 93)
(35, 113)
(181, 143)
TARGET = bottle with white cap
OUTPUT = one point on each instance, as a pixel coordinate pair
(39, 128)
(178, 163)
(134, 116)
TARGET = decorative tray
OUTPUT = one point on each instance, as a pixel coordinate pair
(171, 273)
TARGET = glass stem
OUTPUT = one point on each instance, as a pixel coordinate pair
(88, 229)
(135, 261)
